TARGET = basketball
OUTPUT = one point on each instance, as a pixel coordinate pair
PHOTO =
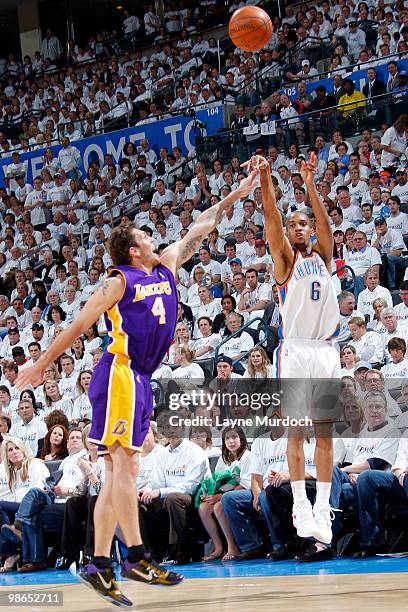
(250, 28)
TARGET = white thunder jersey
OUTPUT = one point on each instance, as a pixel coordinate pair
(309, 307)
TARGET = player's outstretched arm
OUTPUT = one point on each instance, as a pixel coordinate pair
(179, 252)
(279, 245)
(107, 295)
(324, 244)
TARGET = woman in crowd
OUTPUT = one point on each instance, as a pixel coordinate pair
(375, 324)
(80, 506)
(182, 337)
(234, 453)
(7, 405)
(338, 246)
(208, 306)
(55, 444)
(216, 180)
(82, 359)
(54, 400)
(21, 473)
(353, 416)
(56, 318)
(204, 347)
(228, 304)
(202, 435)
(196, 283)
(91, 338)
(188, 375)
(259, 365)
(5, 425)
(82, 405)
(348, 357)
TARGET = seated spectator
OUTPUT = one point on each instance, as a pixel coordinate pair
(30, 429)
(55, 444)
(175, 478)
(234, 453)
(255, 297)
(361, 258)
(371, 293)
(188, 375)
(82, 408)
(353, 416)
(23, 475)
(368, 344)
(54, 400)
(202, 435)
(402, 309)
(347, 304)
(238, 345)
(352, 100)
(396, 371)
(208, 306)
(366, 453)
(348, 356)
(393, 329)
(80, 506)
(376, 324)
(203, 347)
(259, 365)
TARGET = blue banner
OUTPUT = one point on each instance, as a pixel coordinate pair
(175, 131)
(359, 77)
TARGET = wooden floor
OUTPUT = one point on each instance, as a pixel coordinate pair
(342, 592)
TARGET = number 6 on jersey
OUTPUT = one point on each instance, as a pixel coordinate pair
(315, 291)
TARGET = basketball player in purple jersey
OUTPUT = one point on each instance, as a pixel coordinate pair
(139, 300)
(310, 318)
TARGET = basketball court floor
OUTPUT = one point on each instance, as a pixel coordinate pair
(375, 585)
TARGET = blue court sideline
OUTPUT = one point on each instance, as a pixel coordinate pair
(230, 569)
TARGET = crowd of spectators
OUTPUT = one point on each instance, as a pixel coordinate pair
(53, 256)
(102, 87)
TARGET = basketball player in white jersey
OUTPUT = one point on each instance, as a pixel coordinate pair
(310, 317)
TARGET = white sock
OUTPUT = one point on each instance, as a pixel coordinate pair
(299, 491)
(322, 493)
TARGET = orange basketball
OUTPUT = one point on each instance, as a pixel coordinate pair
(250, 28)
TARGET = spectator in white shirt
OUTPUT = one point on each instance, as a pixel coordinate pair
(255, 296)
(393, 329)
(161, 195)
(391, 244)
(401, 310)
(396, 371)
(397, 221)
(69, 159)
(361, 258)
(368, 345)
(174, 480)
(401, 189)
(30, 429)
(374, 290)
(236, 347)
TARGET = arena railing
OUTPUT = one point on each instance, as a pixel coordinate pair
(349, 286)
(262, 327)
(244, 142)
(263, 85)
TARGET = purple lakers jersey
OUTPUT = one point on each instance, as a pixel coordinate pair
(142, 323)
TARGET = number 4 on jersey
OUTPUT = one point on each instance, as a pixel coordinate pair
(159, 311)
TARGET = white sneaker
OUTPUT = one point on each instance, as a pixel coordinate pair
(303, 520)
(323, 516)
